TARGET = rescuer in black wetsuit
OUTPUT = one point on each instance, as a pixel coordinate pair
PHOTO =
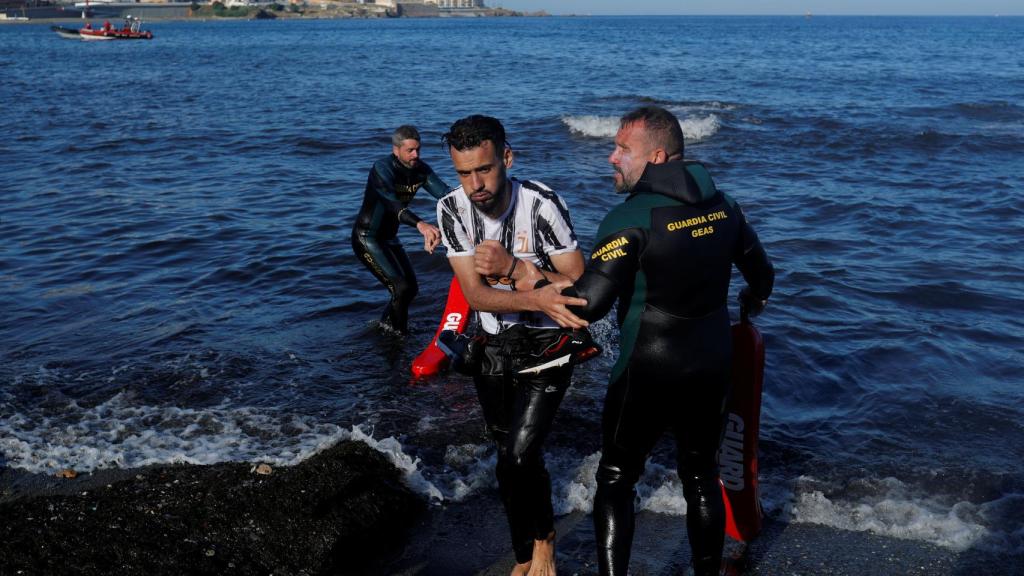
(391, 185)
(666, 256)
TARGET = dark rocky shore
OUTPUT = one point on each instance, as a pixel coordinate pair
(339, 512)
(347, 511)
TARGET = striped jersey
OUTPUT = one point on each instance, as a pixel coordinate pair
(535, 227)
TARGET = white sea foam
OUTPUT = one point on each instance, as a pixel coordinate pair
(695, 128)
(122, 434)
(891, 508)
(574, 487)
(469, 470)
(577, 492)
(660, 490)
(887, 507)
(592, 126)
(410, 467)
(698, 129)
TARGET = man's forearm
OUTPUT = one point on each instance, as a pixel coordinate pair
(527, 275)
(483, 298)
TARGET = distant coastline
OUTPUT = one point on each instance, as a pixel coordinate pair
(41, 10)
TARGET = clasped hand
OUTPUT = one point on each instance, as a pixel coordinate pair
(431, 235)
(491, 259)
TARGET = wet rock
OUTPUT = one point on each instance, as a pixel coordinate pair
(262, 469)
(321, 517)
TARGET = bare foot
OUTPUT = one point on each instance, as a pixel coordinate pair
(521, 569)
(543, 563)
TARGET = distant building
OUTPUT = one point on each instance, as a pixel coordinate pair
(34, 9)
(443, 4)
(449, 4)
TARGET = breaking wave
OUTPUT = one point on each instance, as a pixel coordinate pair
(119, 433)
(695, 128)
(890, 507)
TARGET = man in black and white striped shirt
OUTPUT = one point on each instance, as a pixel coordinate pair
(501, 234)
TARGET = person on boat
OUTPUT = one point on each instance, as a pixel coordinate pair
(390, 186)
(502, 233)
(88, 26)
(666, 256)
(106, 25)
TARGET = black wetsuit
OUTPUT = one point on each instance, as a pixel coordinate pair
(389, 189)
(519, 411)
(666, 255)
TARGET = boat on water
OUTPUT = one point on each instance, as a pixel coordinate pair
(66, 32)
(131, 30)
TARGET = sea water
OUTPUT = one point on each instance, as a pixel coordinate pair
(176, 281)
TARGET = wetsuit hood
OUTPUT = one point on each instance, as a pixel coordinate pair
(685, 180)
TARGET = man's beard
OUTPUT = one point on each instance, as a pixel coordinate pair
(621, 185)
(486, 206)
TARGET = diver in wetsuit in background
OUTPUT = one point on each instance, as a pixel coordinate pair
(666, 255)
(391, 185)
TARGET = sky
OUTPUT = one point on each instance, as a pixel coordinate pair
(817, 7)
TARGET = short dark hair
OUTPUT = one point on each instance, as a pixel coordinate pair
(472, 131)
(662, 127)
(403, 133)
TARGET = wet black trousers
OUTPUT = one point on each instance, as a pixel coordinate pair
(639, 407)
(518, 411)
(387, 260)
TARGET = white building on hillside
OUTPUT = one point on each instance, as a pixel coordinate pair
(457, 3)
(438, 3)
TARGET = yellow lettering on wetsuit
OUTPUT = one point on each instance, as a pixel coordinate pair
(607, 249)
(613, 255)
(688, 223)
(698, 232)
(698, 221)
(405, 192)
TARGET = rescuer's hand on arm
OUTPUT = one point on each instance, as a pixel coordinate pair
(485, 298)
(549, 300)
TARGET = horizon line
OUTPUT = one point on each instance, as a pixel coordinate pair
(805, 15)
